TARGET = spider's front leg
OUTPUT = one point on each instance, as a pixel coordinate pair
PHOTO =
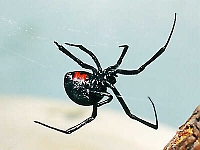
(132, 116)
(154, 57)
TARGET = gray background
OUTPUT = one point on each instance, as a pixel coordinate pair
(31, 65)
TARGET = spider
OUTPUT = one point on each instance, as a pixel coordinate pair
(88, 89)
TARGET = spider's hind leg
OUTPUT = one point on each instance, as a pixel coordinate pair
(81, 47)
(110, 97)
(77, 60)
(76, 127)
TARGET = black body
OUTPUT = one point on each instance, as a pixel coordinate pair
(80, 90)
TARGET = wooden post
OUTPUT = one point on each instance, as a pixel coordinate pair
(188, 135)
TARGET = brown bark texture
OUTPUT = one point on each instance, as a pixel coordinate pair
(188, 135)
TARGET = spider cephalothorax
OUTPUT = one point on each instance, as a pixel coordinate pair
(87, 89)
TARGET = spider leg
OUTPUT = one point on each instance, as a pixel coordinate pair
(82, 64)
(89, 53)
(132, 116)
(133, 72)
(76, 127)
(120, 58)
(110, 97)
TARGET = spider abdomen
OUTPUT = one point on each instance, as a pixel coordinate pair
(80, 87)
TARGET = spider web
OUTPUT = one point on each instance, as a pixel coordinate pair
(27, 42)
(29, 58)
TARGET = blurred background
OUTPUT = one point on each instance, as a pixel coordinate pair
(31, 64)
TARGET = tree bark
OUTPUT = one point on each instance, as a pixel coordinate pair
(188, 135)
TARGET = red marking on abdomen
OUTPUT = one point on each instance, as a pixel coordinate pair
(79, 76)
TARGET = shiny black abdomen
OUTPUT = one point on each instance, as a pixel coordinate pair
(83, 87)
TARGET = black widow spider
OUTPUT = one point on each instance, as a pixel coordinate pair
(88, 89)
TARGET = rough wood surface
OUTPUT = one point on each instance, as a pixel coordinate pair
(188, 135)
